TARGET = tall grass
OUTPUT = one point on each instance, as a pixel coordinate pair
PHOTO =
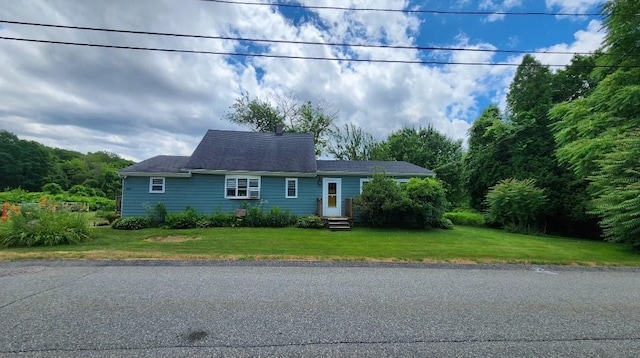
(43, 227)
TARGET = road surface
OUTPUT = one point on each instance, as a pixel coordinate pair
(113, 309)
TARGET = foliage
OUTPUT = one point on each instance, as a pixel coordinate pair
(419, 202)
(220, 219)
(277, 217)
(310, 222)
(30, 166)
(110, 216)
(187, 219)
(515, 204)
(445, 224)
(295, 115)
(430, 149)
(382, 202)
(43, 226)
(52, 188)
(22, 196)
(157, 214)
(131, 223)
(351, 143)
(466, 218)
(597, 135)
(428, 202)
(257, 217)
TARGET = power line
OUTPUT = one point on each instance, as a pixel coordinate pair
(419, 48)
(264, 55)
(410, 11)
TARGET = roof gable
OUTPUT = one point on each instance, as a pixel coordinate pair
(158, 164)
(254, 151)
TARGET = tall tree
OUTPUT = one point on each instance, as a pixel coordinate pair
(598, 136)
(351, 143)
(431, 149)
(295, 115)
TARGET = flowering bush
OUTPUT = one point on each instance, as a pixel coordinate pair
(41, 225)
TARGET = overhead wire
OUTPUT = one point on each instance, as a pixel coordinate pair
(410, 11)
(265, 55)
(295, 42)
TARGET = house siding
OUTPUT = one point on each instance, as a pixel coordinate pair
(205, 193)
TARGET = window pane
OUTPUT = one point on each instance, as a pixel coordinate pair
(231, 183)
(291, 188)
(157, 181)
(156, 188)
(333, 188)
(242, 192)
(254, 183)
(242, 183)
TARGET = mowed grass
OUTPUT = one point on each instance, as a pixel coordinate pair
(460, 245)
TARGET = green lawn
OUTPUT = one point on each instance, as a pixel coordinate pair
(461, 245)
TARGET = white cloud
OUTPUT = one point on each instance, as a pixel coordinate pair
(140, 104)
(573, 6)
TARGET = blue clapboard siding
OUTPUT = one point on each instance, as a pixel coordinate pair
(205, 193)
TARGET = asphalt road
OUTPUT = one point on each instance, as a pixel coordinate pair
(98, 309)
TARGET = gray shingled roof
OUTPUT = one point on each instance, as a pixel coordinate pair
(159, 164)
(371, 167)
(255, 151)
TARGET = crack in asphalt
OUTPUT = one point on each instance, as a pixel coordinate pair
(306, 344)
(47, 290)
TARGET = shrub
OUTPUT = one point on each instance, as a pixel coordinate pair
(310, 222)
(157, 214)
(110, 216)
(187, 219)
(44, 227)
(465, 218)
(428, 202)
(131, 223)
(515, 204)
(382, 202)
(52, 188)
(445, 224)
(255, 214)
(277, 217)
(220, 219)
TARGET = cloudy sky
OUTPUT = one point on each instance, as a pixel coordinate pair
(140, 104)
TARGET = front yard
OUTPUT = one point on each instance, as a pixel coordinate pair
(460, 245)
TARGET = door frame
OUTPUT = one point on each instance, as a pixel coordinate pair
(326, 211)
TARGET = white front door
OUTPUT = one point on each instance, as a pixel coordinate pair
(332, 197)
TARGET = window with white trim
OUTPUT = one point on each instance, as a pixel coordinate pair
(291, 188)
(156, 185)
(242, 187)
(363, 181)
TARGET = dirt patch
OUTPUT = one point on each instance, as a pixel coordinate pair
(174, 238)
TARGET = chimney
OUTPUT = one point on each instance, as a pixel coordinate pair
(279, 129)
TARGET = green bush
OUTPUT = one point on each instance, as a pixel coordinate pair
(465, 218)
(419, 202)
(310, 222)
(44, 227)
(110, 216)
(255, 215)
(428, 202)
(445, 224)
(52, 188)
(131, 223)
(187, 219)
(220, 219)
(277, 217)
(157, 214)
(382, 202)
(515, 204)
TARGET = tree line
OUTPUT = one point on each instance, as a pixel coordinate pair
(35, 167)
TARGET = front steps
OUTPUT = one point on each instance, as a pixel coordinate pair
(338, 223)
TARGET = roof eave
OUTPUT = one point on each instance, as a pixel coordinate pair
(154, 174)
(325, 173)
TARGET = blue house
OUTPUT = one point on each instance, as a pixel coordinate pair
(229, 168)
